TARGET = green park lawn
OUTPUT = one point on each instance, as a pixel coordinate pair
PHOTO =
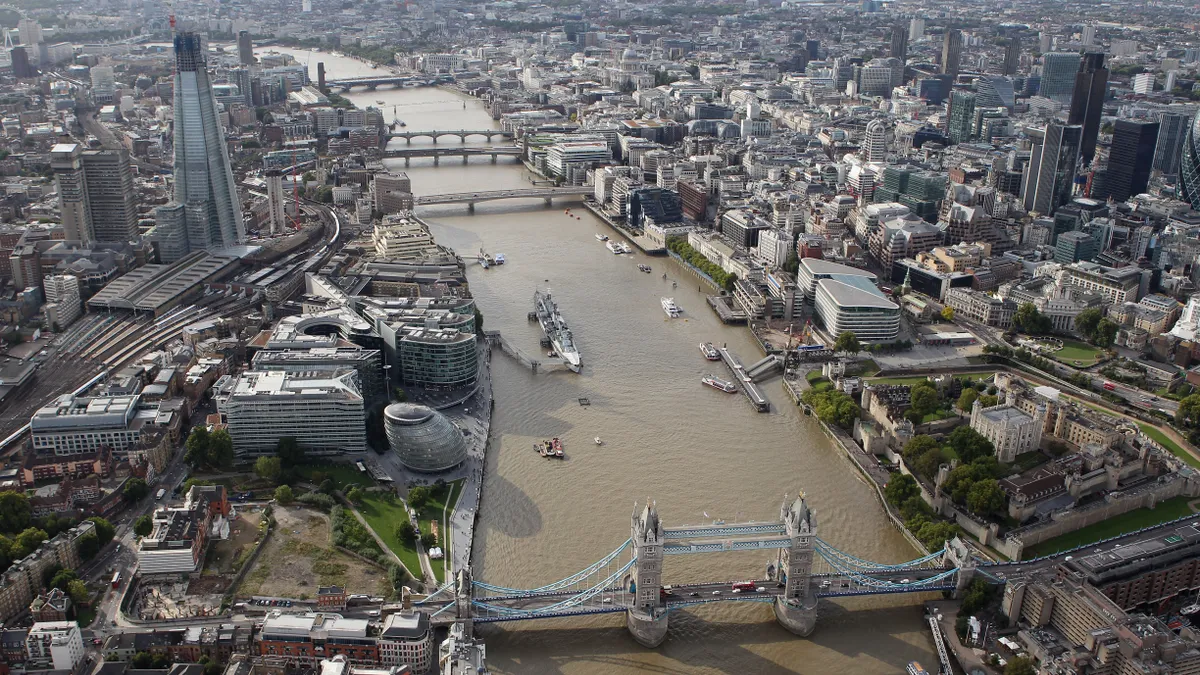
(1171, 509)
(1079, 353)
(383, 516)
(1162, 439)
(344, 475)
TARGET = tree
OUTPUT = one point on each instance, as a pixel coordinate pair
(143, 526)
(268, 468)
(27, 542)
(197, 447)
(142, 660)
(847, 342)
(969, 444)
(985, 497)
(327, 486)
(967, 399)
(478, 321)
(1106, 333)
(15, 512)
(355, 495)
(988, 400)
(1029, 320)
(919, 445)
(89, 546)
(104, 529)
(900, 487)
(418, 497)
(429, 540)
(397, 576)
(78, 592)
(283, 495)
(1188, 413)
(289, 451)
(62, 579)
(928, 464)
(135, 490)
(406, 532)
(948, 313)
(924, 398)
(220, 450)
(1020, 665)
(1087, 320)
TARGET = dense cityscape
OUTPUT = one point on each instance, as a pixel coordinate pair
(932, 407)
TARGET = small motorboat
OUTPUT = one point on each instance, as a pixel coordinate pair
(598, 441)
(664, 276)
(499, 260)
(601, 237)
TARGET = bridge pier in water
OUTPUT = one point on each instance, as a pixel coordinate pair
(647, 618)
(470, 205)
(796, 609)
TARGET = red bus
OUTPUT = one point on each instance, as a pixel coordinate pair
(116, 581)
(1109, 385)
(744, 586)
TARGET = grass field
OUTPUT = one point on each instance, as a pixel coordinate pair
(1162, 439)
(383, 516)
(899, 380)
(343, 475)
(1171, 509)
(1075, 352)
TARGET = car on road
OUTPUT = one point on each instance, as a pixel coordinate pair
(759, 589)
(606, 601)
(693, 594)
(716, 592)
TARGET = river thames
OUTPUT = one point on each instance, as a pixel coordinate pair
(699, 453)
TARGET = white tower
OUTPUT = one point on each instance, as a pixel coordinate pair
(275, 203)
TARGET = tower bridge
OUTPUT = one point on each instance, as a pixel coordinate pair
(801, 571)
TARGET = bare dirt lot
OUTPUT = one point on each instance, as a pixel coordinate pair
(299, 557)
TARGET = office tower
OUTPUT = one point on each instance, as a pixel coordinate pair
(277, 216)
(110, 195)
(66, 160)
(245, 48)
(1045, 42)
(1087, 100)
(961, 117)
(1089, 35)
(1172, 76)
(916, 29)
(1012, 56)
(1143, 83)
(170, 232)
(203, 176)
(321, 77)
(104, 84)
(1058, 75)
(1050, 176)
(952, 52)
(241, 77)
(875, 141)
(900, 42)
(1131, 158)
(1075, 246)
(995, 92)
(30, 32)
(1172, 127)
(814, 49)
(306, 6)
(21, 66)
(1189, 165)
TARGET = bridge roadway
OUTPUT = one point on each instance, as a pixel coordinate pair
(373, 81)
(461, 133)
(471, 198)
(465, 153)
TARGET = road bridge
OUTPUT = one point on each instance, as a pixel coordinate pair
(472, 198)
(375, 81)
(466, 153)
(801, 570)
(462, 134)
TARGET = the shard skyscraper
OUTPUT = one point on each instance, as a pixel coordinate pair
(203, 175)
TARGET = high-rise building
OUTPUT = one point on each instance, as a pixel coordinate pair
(952, 52)
(916, 29)
(1088, 36)
(1050, 176)
(203, 176)
(961, 117)
(1189, 165)
(170, 232)
(1087, 100)
(1143, 83)
(104, 84)
(1131, 158)
(1058, 75)
(996, 92)
(875, 141)
(1172, 127)
(21, 66)
(66, 160)
(277, 216)
(814, 49)
(111, 199)
(306, 6)
(1012, 56)
(30, 33)
(245, 48)
(900, 42)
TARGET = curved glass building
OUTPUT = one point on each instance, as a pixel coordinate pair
(1189, 169)
(423, 438)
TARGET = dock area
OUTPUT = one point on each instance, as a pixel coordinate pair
(742, 380)
(644, 243)
(725, 312)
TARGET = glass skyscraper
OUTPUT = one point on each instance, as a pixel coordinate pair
(1131, 158)
(1189, 170)
(1058, 75)
(1087, 100)
(1050, 176)
(203, 175)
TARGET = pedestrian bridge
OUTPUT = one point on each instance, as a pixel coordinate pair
(801, 570)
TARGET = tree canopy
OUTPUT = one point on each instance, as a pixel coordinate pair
(1028, 319)
(847, 342)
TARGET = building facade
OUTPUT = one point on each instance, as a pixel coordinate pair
(1011, 431)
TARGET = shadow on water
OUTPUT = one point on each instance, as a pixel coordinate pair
(698, 644)
(524, 519)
